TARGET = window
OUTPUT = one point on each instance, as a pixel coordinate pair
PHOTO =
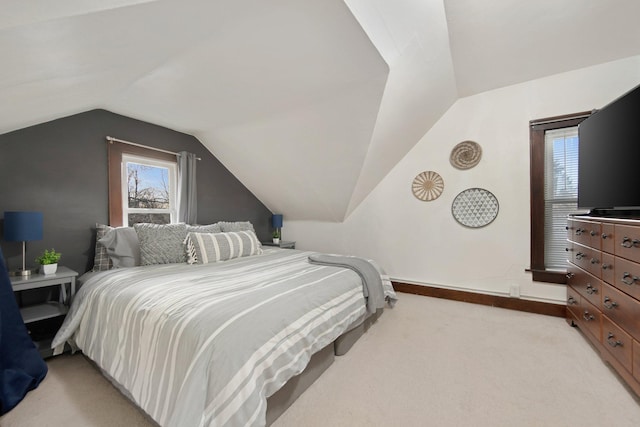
(560, 192)
(148, 190)
(554, 189)
(142, 185)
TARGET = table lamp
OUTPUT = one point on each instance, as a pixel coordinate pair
(276, 223)
(22, 227)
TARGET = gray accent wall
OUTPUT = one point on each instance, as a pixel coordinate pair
(60, 169)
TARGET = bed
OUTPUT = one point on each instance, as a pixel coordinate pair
(209, 344)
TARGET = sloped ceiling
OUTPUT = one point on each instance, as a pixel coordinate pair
(310, 104)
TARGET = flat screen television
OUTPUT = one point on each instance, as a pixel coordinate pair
(609, 158)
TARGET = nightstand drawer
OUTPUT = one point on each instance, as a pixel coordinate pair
(281, 244)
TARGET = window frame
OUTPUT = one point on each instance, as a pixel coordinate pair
(173, 184)
(116, 151)
(537, 129)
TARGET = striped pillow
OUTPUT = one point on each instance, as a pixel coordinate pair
(204, 248)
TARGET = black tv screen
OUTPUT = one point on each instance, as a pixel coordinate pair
(609, 157)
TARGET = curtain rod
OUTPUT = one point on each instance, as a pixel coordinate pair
(558, 119)
(122, 141)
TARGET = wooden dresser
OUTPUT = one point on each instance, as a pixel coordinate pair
(603, 292)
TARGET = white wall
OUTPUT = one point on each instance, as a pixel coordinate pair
(420, 242)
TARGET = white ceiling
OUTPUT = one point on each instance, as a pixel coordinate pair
(310, 104)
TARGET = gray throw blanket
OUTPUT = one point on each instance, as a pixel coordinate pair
(371, 280)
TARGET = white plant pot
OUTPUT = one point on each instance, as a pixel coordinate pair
(276, 240)
(48, 268)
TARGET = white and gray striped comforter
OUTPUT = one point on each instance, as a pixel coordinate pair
(205, 345)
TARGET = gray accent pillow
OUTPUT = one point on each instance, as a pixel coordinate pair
(122, 246)
(236, 226)
(161, 243)
(101, 260)
(214, 247)
(210, 228)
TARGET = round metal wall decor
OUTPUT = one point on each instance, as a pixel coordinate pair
(427, 186)
(475, 207)
(466, 155)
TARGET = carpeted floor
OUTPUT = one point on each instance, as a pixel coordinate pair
(428, 362)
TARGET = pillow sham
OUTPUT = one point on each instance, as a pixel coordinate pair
(227, 226)
(161, 243)
(210, 228)
(204, 248)
(123, 247)
(101, 260)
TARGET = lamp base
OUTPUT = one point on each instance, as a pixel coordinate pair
(22, 273)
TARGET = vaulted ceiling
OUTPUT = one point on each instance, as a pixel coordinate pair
(309, 103)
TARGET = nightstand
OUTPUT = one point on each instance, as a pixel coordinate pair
(65, 279)
(282, 244)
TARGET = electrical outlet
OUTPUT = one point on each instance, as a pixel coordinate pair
(514, 291)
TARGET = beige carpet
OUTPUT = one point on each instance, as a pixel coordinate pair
(428, 362)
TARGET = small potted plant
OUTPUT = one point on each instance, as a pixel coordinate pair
(276, 236)
(49, 261)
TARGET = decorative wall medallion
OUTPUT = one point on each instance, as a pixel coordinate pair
(427, 186)
(475, 207)
(466, 155)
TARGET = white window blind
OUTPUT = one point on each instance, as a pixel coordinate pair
(560, 192)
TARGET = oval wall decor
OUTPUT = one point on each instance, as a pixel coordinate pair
(475, 207)
(427, 186)
(466, 155)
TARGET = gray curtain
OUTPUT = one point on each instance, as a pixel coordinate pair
(187, 195)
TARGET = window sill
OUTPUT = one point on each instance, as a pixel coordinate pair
(549, 276)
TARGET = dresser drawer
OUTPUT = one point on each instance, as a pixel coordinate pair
(608, 243)
(622, 309)
(590, 319)
(627, 277)
(627, 242)
(573, 301)
(618, 342)
(608, 268)
(585, 232)
(586, 284)
(586, 258)
(636, 360)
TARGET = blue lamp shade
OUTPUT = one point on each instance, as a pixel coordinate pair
(276, 221)
(22, 226)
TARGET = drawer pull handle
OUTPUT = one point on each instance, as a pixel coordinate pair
(587, 316)
(591, 290)
(609, 304)
(612, 342)
(569, 275)
(606, 266)
(605, 236)
(579, 231)
(592, 233)
(595, 261)
(628, 279)
(627, 242)
(580, 255)
(572, 301)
